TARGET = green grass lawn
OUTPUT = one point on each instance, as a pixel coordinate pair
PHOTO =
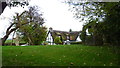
(60, 55)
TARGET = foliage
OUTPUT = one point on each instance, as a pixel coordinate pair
(34, 33)
(83, 34)
(60, 55)
(20, 20)
(75, 43)
(101, 19)
(45, 43)
(10, 41)
(70, 30)
(57, 40)
(18, 3)
(12, 3)
(110, 26)
(16, 24)
(33, 36)
(87, 11)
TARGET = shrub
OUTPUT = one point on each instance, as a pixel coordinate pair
(44, 43)
(76, 43)
(57, 40)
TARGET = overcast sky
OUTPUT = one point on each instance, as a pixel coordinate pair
(55, 13)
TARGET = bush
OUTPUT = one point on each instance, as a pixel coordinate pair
(76, 43)
(57, 40)
(44, 43)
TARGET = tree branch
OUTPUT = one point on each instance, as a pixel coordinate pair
(9, 27)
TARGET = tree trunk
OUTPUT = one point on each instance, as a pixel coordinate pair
(30, 41)
(12, 38)
(9, 30)
(7, 35)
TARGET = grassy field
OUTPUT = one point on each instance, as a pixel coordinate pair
(60, 55)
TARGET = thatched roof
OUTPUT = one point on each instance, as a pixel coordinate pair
(64, 34)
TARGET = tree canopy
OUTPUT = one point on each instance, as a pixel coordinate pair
(101, 19)
(30, 26)
(34, 33)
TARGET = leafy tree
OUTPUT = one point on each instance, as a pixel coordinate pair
(34, 36)
(13, 27)
(26, 21)
(110, 26)
(83, 34)
(91, 13)
(70, 30)
(10, 29)
(34, 33)
(87, 11)
(57, 40)
(101, 19)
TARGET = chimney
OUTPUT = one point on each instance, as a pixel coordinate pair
(51, 29)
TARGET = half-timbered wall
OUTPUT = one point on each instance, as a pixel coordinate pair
(50, 38)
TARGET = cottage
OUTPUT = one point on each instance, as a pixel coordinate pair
(63, 35)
